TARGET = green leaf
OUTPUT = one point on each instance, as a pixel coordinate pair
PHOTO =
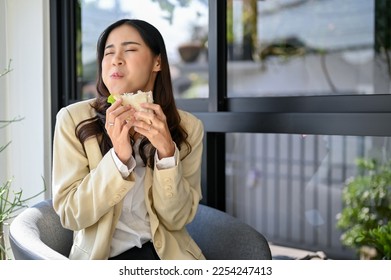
(366, 216)
(111, 99)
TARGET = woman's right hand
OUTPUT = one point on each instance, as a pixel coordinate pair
(119, 121)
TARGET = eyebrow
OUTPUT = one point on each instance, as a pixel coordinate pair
(124, 44)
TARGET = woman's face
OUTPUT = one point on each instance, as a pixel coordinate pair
(128, 63)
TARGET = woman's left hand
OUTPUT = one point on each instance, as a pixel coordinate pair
(153, 125)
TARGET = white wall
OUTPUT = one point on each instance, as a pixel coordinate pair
(3, 138)
(24, 38)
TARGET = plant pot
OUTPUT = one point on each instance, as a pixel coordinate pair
(367, 253)
(190, 52)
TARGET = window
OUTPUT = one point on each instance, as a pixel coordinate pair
(183, 24)
(295, 47)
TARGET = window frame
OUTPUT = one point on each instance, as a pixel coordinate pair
(362, 115)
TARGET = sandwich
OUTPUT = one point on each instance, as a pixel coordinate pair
(133, 99)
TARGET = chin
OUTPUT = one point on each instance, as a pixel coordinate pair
(118, 90)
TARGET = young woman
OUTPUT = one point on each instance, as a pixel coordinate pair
(127, 182)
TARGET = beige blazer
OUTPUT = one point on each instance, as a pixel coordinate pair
(88, 190)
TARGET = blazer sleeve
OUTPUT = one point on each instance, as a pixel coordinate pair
(176, 192)
(86, 185)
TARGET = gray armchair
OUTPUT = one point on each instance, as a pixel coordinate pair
(37, 234)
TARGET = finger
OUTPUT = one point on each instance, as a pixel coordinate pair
(120, 113)
(120, 133)
(127, 115)
(119, 122)
(114, 106)
(155, 108)
(125, 129)
(147, 117)
(146, 129)
(110, 115)
(142, 123)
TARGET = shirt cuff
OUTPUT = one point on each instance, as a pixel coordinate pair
(125, 170)
(168, 162)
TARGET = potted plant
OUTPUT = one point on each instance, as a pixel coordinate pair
(10, 201)
(189, 51)
(366, 216)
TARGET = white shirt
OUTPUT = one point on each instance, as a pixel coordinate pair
(133, 227)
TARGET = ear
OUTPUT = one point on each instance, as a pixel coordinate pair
(157, 64)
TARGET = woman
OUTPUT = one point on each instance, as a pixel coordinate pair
(127, 182)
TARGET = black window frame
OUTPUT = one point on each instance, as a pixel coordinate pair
(361, 115)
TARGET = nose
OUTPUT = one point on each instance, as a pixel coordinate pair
(118, 59)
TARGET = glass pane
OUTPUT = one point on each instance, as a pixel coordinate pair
(289, 187)
(310, 47)
(183, 24)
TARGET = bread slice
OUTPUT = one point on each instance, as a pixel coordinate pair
(133, 99)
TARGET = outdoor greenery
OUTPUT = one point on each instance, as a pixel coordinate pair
(366, 216)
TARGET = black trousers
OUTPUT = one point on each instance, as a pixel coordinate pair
(146, 252)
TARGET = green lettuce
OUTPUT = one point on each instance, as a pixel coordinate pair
(111, 99)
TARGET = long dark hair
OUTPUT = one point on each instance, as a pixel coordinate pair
(162, 94)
